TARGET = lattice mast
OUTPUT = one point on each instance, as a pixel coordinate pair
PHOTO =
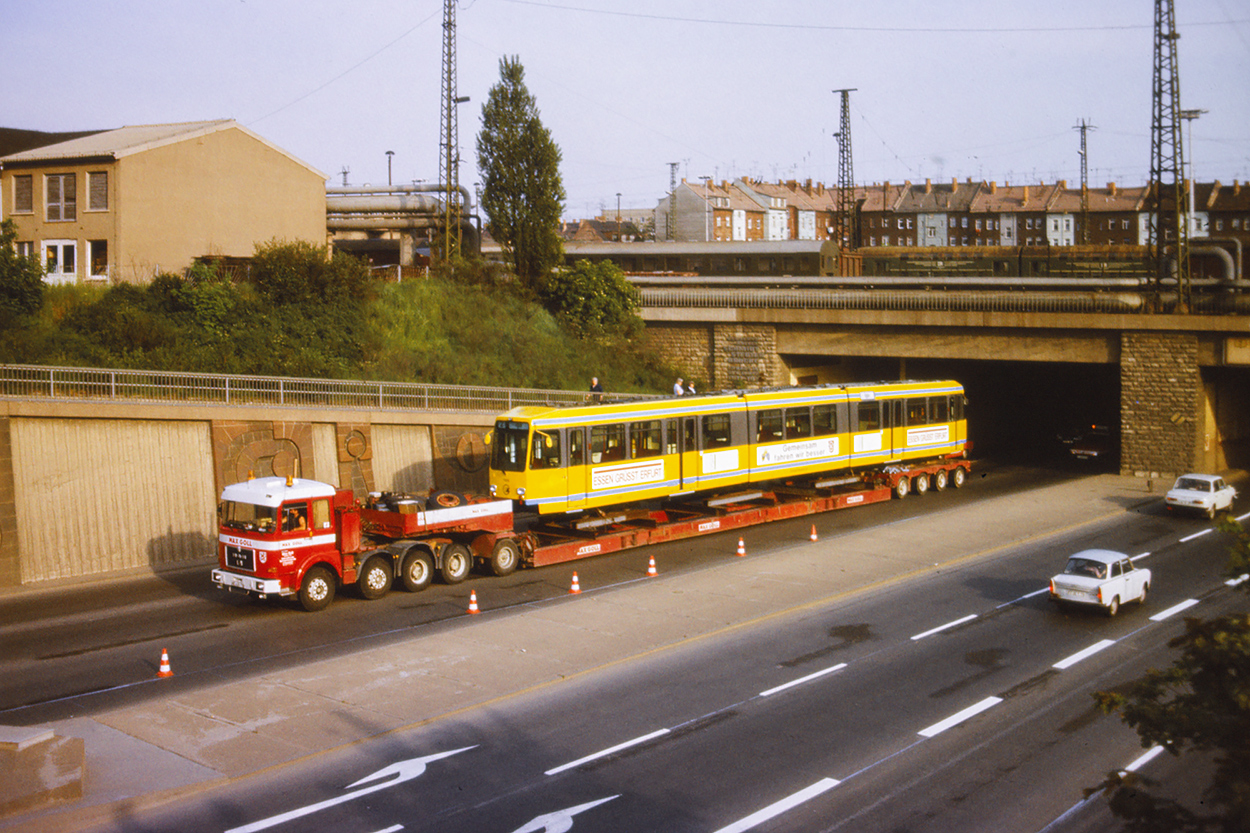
(449, 151)
(1169, 226)
(1084, 128)
(844, 223)
(669, 220)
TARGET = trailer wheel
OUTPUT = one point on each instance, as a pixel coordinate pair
(901, 487)
(939, 480)
(505, 557)
(317, 591)
(922, 484)
(457, 562)
(417, 571)
(443, 499)
(958, 475)
(375, 579)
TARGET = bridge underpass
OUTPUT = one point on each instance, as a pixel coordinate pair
(1175, 390)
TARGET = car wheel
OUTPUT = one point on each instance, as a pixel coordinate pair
(457, 562)
(375, 579)
(1114, 607)
(1211, 511)
(317, 590)
(1145, 590)
(417, 571)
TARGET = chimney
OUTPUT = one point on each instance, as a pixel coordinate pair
(954, 184)
(1111, 189)
(1025, 200)
(928, 186)
(1063, 185)
(1236, 188)
(993, 187)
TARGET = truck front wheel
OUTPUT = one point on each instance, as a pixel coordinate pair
(375, 578)
(457, 562)
(317, 591)
(418, 570)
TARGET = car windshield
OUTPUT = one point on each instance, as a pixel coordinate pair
(249, 516)
(1193, 484)
(1086, 567)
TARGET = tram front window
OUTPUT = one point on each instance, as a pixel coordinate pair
(510, 443)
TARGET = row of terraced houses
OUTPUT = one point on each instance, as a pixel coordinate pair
(938, 214)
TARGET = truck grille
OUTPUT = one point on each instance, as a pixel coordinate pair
(241, 558)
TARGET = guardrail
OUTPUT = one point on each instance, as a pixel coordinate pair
(79, 383)
(894, 299)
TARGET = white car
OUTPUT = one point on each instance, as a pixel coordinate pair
(1100, 577)
(1207, 493)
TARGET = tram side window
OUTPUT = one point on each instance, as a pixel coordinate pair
(577, 446)
(716, 431)
(670, 436)
(607, 443)
(546, 451)
(798, 423)
(917, 412)
(824, 420)
(645, 439)
(957, 406)
(869, 416)
(768, 426)
(938, 410)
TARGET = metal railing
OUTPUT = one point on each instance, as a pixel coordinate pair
(83, 383)
(894, 299)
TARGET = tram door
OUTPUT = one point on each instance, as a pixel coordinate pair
(578, 470)
(895, 427)
(687, 454)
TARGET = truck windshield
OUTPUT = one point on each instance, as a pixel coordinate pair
(247, 516)
(511, 441)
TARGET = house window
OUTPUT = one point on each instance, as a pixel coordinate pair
(25, 248)
(23, 194)
(60, 261)
(62, 197)
(98, 191)
(98, 257)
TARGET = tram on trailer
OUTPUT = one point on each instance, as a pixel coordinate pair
(568, 459)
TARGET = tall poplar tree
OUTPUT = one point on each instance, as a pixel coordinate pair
(522, 194)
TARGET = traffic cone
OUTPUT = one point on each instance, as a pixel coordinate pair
(651, 573)
(165, 670)
(742, 547)
(575, 587)
(813, 532)
(473, 602)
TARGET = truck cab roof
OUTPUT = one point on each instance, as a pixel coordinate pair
(274, 491)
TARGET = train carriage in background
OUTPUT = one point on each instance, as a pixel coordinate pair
(554, 460)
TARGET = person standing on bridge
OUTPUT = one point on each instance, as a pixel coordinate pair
(678, 390)
(596, 389)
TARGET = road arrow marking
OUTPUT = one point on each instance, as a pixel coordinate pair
(561, 820)
(397, 773)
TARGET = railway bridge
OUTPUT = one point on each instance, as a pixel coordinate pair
(1174, 389)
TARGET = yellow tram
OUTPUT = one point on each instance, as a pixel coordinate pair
(574, 458)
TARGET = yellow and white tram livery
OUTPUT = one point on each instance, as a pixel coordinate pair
(573, 458)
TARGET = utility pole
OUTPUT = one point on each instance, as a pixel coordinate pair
(1084, 128)
(389, 155)
(346, 170)
(844, 223)
(1169, 203)
(449, 151)
(670, 221)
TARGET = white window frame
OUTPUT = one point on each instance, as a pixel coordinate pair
(60, 276)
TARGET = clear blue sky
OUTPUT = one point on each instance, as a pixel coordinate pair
(979, 88)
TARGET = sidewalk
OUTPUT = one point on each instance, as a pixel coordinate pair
(163, 748)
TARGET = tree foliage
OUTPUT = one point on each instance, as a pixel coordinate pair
(1201, 702)
(593, 300)
(522, 193)
(21, 278)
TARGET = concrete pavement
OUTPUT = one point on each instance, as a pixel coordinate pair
(153, 752)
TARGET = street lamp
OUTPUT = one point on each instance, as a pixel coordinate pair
(389, 154)
(1190, 116)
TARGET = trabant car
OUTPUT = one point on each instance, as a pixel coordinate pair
(1104, 578)
(1206, 493)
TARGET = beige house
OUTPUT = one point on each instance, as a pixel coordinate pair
(127, 204)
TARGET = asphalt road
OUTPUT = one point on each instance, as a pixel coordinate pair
(955, 700)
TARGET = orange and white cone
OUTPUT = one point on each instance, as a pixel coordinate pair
(814, 532)
(742, 547)
(165, 670)
(575, 587)
(651, 572)
(473, 602)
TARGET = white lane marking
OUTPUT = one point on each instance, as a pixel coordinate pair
(1233, 582)
(1142, 555)
(1149, 756)
(1242, 517)
(1206, 531)
(941, 628)
(396, 773)
(1173, 610)
(606, 752)
(1022, 598)
(394, 828)
(802, 680)
(777, 808)
(561, 820)
(1080, 655)
(960, 717)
